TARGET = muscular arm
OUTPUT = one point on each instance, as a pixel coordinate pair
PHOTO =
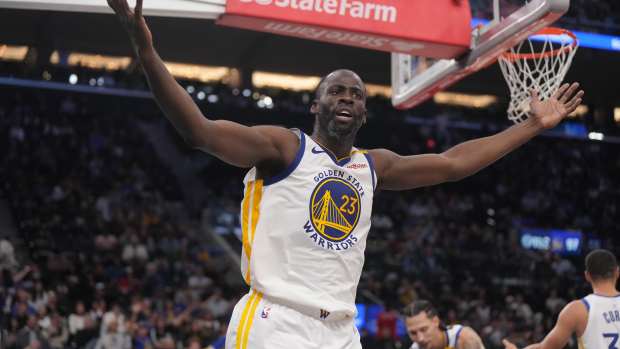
(572, 320)
(233, 143)
(469, 339)
(397, 172)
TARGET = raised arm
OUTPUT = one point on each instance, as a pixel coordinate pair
(235, 144)
(396, 172)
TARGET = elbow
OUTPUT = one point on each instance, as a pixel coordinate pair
(455, 177)
(192, 143)
(195, 142)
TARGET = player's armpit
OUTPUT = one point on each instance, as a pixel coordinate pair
(469, 339)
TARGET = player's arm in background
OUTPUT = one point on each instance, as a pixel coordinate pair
(469, 339)
(572, 320)
(398, 172)
(234, 143)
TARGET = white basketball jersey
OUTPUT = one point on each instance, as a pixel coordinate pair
(304, 230)
(452, 333)
(603, 329)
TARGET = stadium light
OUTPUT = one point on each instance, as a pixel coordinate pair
(13, 53)
(597, 136)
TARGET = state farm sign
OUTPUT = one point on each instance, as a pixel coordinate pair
(350, 8)
(434, 28)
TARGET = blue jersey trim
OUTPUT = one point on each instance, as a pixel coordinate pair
(372, 170)
(585, 302)
(293, 165)
(458, 333)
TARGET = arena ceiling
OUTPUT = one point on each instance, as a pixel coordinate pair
(203, 42)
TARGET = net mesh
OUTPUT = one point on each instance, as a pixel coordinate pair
(538, 63)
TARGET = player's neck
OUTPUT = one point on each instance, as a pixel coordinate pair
(443, 342)
(340, 147)
(607, 289)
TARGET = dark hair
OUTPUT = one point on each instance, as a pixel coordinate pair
(601, 265)
(417, 307)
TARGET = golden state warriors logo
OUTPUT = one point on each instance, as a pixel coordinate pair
(334, 209)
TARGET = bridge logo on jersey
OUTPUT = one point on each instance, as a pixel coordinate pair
(334, 208)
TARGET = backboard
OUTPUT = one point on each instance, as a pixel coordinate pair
(497, 26)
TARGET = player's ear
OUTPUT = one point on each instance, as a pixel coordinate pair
(314, 108)
(587, 276)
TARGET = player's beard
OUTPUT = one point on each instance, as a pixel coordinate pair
(329, 125)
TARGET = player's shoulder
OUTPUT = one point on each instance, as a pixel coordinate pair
(287, 140)
(381, 153)
(468, 338)
(382, 158)
(577, 307)
(280, 133)
(574, 317)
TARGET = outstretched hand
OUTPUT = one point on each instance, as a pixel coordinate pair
(564, 101)
(134, 23)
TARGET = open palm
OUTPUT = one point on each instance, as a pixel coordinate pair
(134, 23)
(563, 102)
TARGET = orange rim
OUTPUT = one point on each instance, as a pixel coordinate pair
(545, 31)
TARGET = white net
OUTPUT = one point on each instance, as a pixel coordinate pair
(538, 63)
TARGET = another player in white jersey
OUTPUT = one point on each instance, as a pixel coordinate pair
(308, 198)
(426, 330)
(594, 319)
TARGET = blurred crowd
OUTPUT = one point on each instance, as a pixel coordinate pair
(106, 254)
(599, 16)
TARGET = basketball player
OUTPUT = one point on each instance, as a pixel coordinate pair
(427, 332)
(308, 198)
(595, 319)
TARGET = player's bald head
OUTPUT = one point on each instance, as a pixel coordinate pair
(337, 74)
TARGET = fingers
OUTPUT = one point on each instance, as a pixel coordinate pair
(124, 7)
(114, 5)
(568, 94)
(560, 91)
(138, 9)
(534, 95)
(575, 102)
(120, 7)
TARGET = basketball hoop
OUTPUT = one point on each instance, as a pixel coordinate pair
(540, 62)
